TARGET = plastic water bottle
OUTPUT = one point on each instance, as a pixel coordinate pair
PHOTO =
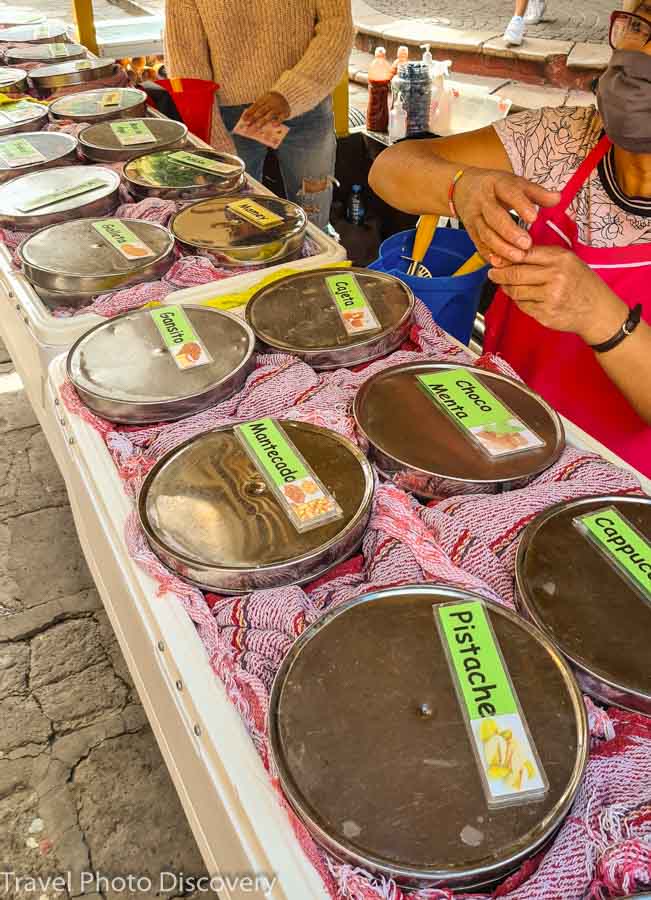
(356, 212)
(398, 121)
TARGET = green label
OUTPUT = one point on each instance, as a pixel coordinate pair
(20, 152)
(620, 543)
(64, 194)
(134, 132)
(505, 753)
(58, 50)
(180, 338)
(20, 111)
(354, 309)
(83, 64)
(301, 494)
(203, 162)
(123, 239)
(476, 410)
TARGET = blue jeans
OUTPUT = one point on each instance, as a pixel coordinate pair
(306, 158)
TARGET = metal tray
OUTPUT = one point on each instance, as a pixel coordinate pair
(210, 226)
(38, 118)
(99, 143)
(49, 32)
(98, 202)
(11, 16)
(123, 372)
(68, 264)
(63, 74)
(298, 315)
(369, 739)
(155, 174)
(86, 106)
(58, 149)
(12, 80)
(43, 53)
(210, 517)
(420, 448)
(584, 606)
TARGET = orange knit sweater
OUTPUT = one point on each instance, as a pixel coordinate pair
(299, 48)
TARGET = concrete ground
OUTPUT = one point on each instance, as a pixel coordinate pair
(82, 784)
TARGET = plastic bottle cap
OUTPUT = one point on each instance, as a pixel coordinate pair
(427, 56)
(380, 51)
(357, 188)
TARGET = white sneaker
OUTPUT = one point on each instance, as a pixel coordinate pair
(535, 12)
(515, 30)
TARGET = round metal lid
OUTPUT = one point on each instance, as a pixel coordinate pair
(101, 139)
(87, 105)
(206, 504)
(45, 52)
(124, 360)
(160, 169)
(12, 15)
(39, 33)
(584, 605)
(75, 256)
(212, 225)
(399, 420)
(23, 116)
(371, 744)
(19, 193)
(10, 76)
(298, 313)
(71, 72)
(52, 146)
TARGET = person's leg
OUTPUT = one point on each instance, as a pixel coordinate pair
(307, 162)
(516, 28)
(252, 152)
(520, 7)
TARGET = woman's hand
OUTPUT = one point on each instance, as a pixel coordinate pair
(271, 107)
(556, 288)
(484, 197)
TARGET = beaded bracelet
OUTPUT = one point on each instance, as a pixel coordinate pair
(455, 180)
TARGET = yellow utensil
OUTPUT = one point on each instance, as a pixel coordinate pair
(425, 231)
(473, 264)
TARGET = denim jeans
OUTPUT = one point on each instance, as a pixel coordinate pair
(306, 158)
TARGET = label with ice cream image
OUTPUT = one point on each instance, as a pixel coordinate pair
(506, 756)
(479, 413)
(352, 305)
(181, 340)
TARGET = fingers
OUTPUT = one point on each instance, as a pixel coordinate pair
(490, 244)
(525, 293)
(541, 195)
(500, 221)
(511, 194)
(519, 275)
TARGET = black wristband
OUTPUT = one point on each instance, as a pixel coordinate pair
(627, 328)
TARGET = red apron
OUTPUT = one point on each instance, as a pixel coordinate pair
(560, 366)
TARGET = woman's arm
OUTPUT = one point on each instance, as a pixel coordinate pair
(415, 176)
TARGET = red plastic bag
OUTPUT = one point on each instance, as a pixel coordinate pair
(194, 99)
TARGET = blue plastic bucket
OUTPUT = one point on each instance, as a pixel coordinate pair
(453, 302)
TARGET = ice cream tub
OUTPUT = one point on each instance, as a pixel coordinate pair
(437, 429)
(259, 505)
(99, 105)
(50, 32)
(162, 364)
(34, 151)
(21, 116)
(56, 195)
(252, 230)
(333, 317)
(179, 174)
(124, 139)
(58, 52)
(63, 74)
(12, 81)
(583, 577)
(69, 263)
(428, 736)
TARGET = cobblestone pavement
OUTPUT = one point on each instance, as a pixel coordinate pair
(82, 784)
(584, 21)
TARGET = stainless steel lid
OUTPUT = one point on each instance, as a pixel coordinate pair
(73, 72)
(11, 16)
(179, 174)
(579, 599)
(209, 515)
(300, 315)
(45, 52)
(32, 151)
(22, 116)
(373, 751)
(55, 195)
(74, 259)
(415, 441)
(122, 140)
(37, 33)
(12, 79)
(98, 105)
(215, 226)
(123, 371)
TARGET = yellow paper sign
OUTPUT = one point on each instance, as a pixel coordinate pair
(254, 213)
